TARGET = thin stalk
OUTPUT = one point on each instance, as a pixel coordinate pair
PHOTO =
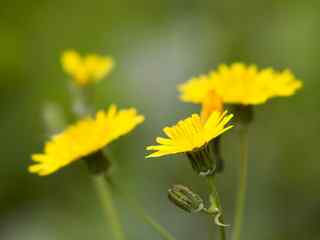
(82, 99)
(148, 219)
(216, 197)
(242, 187)
(104, 194)
(156, 226)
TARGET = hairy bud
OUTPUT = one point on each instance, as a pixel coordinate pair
(185, 199)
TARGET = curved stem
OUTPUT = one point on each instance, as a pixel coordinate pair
(242, 187)
(156, 226)
(216, 198)
(104, 194)
(148, 219)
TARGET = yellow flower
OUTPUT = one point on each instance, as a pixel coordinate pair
(196, 90)
(86, 69)
(241, 84)
(85, 137)
(190, 134)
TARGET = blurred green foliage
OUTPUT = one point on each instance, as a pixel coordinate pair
(156, 45)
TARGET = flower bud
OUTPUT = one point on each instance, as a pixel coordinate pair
(185, 199)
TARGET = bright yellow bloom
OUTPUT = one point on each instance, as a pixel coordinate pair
(241, 84)
(190, 134)
(85, 137)
(86, 69)
(196, 90)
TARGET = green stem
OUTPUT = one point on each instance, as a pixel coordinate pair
(156, 226)
(104, 193)
(242, 187)
(216, 198)
(148, 219)
(82, 99)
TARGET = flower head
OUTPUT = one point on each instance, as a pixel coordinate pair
(86, 69)
(83, 138)
(190, 134)
(196, 90)
(241, 84)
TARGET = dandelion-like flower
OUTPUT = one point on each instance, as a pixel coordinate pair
(191, 136)
(241, 84)
(86, 69)
(84, 138)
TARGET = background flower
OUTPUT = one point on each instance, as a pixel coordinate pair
(86, 69)
(84, 138)
(241, 84)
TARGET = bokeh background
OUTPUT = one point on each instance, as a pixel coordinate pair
(157, 45)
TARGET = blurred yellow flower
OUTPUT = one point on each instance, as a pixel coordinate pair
(190, 134)
(240, 84)
(196, 90)
(86, 69)
(85, 137)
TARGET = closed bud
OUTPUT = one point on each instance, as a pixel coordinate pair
(185, 199)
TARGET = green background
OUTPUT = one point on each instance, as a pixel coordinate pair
(157, 45)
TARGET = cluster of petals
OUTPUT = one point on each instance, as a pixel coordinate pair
(84, 138)
(240, 84)
(86, 69)
(190, 134)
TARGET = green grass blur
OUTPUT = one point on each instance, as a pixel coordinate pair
(156, 45)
